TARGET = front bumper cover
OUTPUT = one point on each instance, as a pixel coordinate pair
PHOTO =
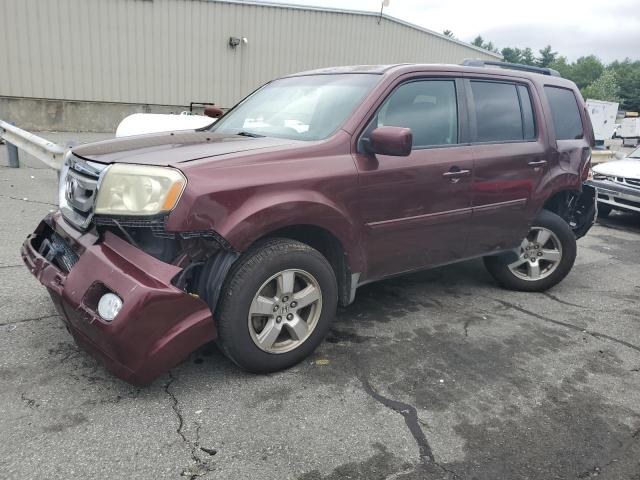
(158, 325)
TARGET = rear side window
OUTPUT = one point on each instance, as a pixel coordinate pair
(498, 116)
(564, 112)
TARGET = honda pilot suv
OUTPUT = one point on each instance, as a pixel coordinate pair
(252, 232)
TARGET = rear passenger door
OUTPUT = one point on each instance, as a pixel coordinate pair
(509, 161)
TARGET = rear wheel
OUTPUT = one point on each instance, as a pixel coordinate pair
(546, 255)
(277, 304)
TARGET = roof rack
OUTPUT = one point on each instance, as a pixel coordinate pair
(476, 62)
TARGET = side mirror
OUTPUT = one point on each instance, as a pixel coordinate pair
(213, 111)
(394, 141)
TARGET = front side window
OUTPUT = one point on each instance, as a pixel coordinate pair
(308, 107)
(427, 107)
(564, 112)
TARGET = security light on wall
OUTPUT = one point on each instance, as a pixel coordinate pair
(235, 41)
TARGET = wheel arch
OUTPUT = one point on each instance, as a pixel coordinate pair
(330, 246)
(315, 221)
(577, 207)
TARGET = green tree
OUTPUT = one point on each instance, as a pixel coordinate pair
(527, 57)
(562, 66)
(604, 88)
(586, 70)
(478, 41)
(628, 77)
(618, 80)
(512, 55)
(547, 56)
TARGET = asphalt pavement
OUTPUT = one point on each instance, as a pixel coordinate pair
(436, 375)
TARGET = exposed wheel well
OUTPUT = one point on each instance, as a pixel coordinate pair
(577, 208)
(558, 203)
(329, 246)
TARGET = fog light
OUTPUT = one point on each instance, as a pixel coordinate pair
(109, 306)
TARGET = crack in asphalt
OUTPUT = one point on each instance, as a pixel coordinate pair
(29, 402)
(200, 466)
(470, 320)
(567, 325)
(410, 415)
(23, 320)
(467, 323)
(27, 200)
(12, 266)
(563, 302)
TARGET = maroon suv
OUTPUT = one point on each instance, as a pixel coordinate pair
(251, 233)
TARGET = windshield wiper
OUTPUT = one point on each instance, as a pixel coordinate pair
(249, 134)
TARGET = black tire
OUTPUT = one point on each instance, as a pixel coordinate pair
(604, 210)
(243, 282)
(498, 265)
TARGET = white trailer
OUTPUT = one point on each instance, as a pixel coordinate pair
(603, 118)
(630, 131)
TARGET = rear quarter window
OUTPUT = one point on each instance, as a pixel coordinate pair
(565, 113)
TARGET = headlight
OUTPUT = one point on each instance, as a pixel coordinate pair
(139, 190)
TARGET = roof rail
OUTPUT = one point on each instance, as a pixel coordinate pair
(476, 62)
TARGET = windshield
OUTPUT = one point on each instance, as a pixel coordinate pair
(635, 154)
(309, 107)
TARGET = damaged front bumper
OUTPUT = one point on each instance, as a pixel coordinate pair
(158, 324)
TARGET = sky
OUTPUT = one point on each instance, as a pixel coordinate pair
(610, 29)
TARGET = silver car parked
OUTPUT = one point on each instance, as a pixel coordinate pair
(618, 184)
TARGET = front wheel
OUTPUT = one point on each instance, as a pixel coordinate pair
(276, 306)
(546, 255)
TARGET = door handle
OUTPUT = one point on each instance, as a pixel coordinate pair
(537, 163)
(456, 173)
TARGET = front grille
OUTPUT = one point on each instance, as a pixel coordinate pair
(55, 249)
(633, 181)
(79, 181)
(629, 182)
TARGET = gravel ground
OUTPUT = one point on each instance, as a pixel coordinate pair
(436, 375)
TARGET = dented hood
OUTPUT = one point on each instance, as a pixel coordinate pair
(174, 147)
(628, 168)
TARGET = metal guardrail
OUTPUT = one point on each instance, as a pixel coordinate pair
(47, 152)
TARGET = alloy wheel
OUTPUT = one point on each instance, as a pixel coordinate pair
(285, 311)
(540, 255)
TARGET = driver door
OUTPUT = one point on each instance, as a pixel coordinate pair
(415, 209)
